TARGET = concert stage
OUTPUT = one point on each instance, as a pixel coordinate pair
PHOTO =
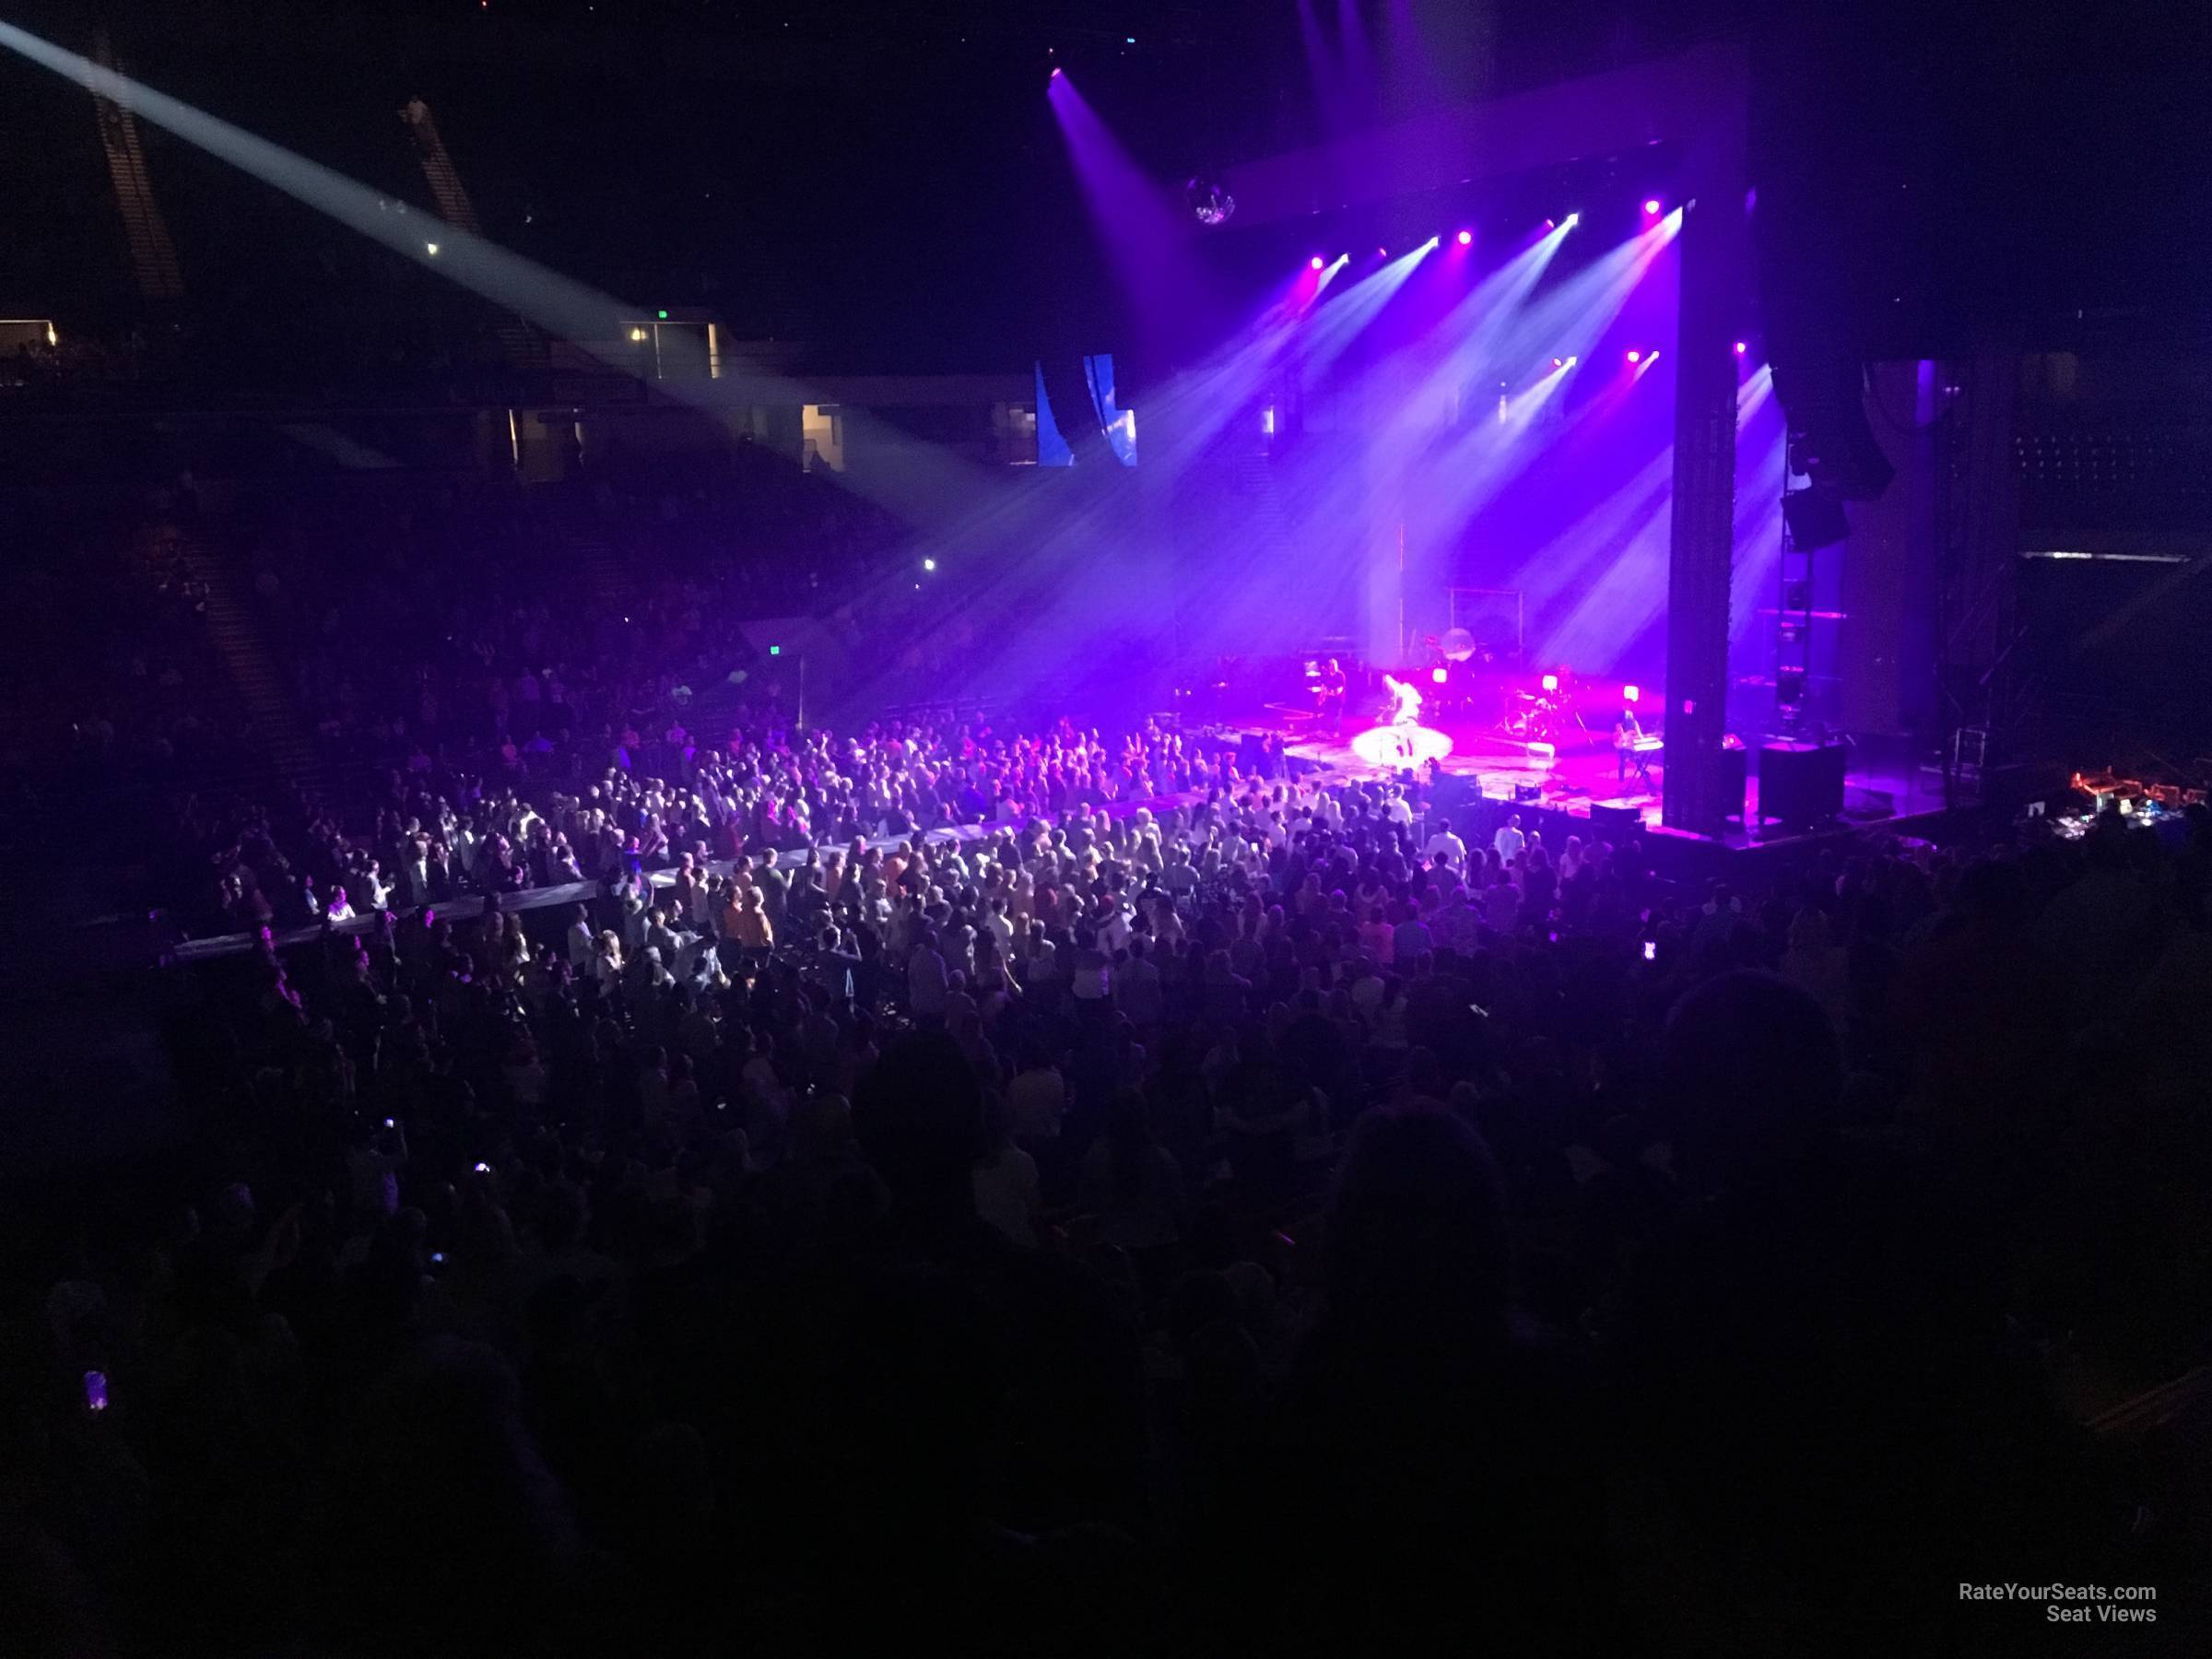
(1581, 773)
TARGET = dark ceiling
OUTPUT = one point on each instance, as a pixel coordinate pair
(887, 182)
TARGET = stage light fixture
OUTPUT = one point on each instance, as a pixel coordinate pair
(432, 249)
(637, 335)
(1550, 682)
(662, 315)
(1573, 219)
(1438, 675)
(1381, 253)
(1651, 207)
(1742, 347)
(1635, 355)
(1316, 263)
(1466, 238)
(1558, 362)
(1572, 361)
(1551, 224)
(1630, 694)
(929, 564)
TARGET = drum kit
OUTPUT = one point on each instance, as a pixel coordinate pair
(1533, 716)
(1471, 677)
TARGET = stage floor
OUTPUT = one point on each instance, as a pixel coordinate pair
(1584, 772)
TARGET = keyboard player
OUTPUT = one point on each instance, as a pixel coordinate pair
(1628, 738)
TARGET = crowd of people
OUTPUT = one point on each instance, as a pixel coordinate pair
(597, 606)
(666, 800)
(1171, 1208)
(654, 1170)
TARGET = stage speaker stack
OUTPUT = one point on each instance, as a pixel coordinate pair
(1800, 783)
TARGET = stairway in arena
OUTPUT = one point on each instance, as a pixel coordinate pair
(254, 673)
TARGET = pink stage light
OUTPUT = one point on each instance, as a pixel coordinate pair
(1316, 263)
(1438, 675)
(1558, 362)
(1551, 682)
(1381, 253)
(1630, 694)
(1742, 347)
(1551, 224)
(1466, 238)
(1635, 356)
(1651, 207)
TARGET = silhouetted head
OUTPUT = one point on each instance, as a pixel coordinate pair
(1417, 1233)
(919, 1113)
(1749, 1077)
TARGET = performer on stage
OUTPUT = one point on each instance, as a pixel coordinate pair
(1331, 691)
(1405, 715)
(1627, 734)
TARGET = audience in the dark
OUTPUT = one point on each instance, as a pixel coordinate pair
(1051, 1192)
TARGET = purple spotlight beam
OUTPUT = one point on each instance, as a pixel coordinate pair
(1145, 234)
